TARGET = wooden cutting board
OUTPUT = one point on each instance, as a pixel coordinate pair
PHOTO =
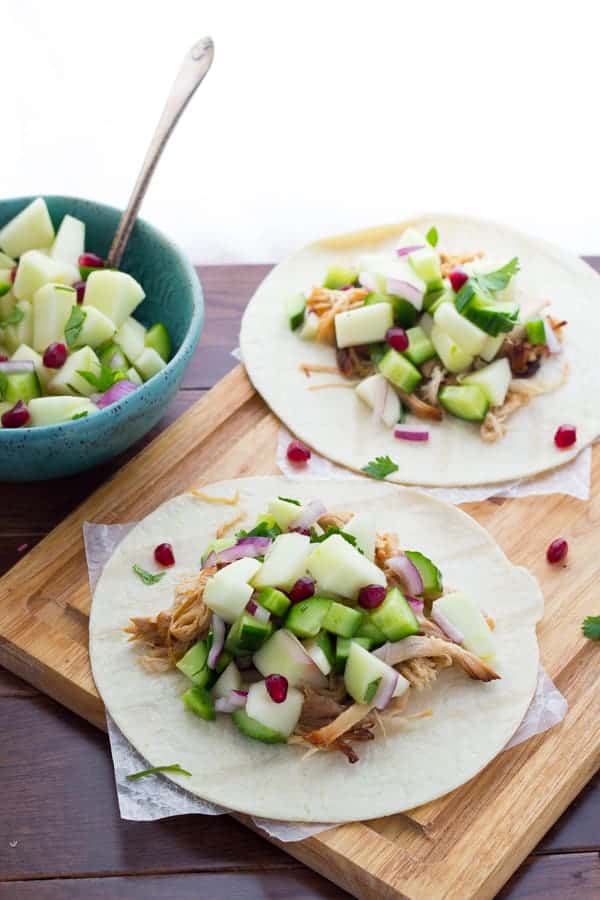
(465, 845)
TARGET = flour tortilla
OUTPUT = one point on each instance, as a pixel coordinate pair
(471, 721)
(338, 425)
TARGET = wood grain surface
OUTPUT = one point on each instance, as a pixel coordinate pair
(60, 835)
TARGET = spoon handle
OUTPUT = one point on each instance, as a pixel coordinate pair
(194, 67)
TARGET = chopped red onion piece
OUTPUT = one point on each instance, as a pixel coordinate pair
(258, 611)
(552, 342)
(411, 434)
(406, 290)
(16, 367)
(447, 627)
(369, 281)
(308, 515)
(118, 391)
(246, 546)
(218, 629)
(404, 251)
(417, 605)
(234, 700)
(385, 691)
(407, 572)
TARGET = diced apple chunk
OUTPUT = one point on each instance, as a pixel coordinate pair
(339, 567)
(367, 391)
(7, 262)
(52, 410)
(491, 346)
(454, 358)
(22, 332)
(493, 380)
(131, 338)
(364, 325)
(115, 294)
(68, 381)
(362, 527)
(227, 592)
(52, 305)
(468, 336)
(461, 610)
(32, 228)
(282, 717)
(285, 562)
(134, 376)
(96, 329)
(24, 353)
(283, 512)
(70, 241)
(149, 363)
(283, 654)
(36, 269)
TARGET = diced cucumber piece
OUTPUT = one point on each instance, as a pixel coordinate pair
(285, 562)
(493, 380)
(368, 629)
(253, 729)
(35, 269)
(280, 717)
(453, 357)
(247, 634)
(20, 386)
(225, 657)
(463, 332)
(400, 371)
(429, 572)
(339, 568)
(363, 673)
(433, 299)
(69, 243)
(491, 347)
(194, 660)
(420, 348)
(364, 325)
(275, 601)
(395, 617)
(404, 312)
(362, 527)
(24, 353)
(492, 318)
(22, 332)
(30, 228)
(320, 649)
(52, 305)
(159, 339)
(115, 294)
(68, 380)
(368, 389)
(283, 654)
(149, 363)
(198, 700)
(342, 649)
(283, 512)
(342, 620)
(228, 591)
(464, 614)
(309, 328)
(465, 401)
(339, 276)
(305, 619)
(52, 410)
(131, 338)
(112, 356)
(295, 310)
(95, 330)
(134, 376)
(229, 680)
(536, 332)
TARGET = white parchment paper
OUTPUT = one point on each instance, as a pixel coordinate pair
(158, 798)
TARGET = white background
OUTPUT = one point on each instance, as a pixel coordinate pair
(316, 117)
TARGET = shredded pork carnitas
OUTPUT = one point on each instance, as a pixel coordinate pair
(334, 519)
(450, 261)
(172, 632)
(418, 646)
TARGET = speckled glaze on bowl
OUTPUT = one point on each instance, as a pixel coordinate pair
(173, 295)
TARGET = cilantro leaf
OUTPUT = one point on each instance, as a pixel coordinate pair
(591, 628)
(147, 577)
(333, 529)
(380, 467)
(432, 237)
(13, 318)
(263, 529)
(290, 500)
(74, 325)
(174, 768)
(80, 415)
(498, 280)
(104, 380)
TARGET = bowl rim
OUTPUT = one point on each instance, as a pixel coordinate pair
(187, 345)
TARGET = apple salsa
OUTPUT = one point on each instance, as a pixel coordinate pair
(69, 345)
(313, 629)
(425, 333)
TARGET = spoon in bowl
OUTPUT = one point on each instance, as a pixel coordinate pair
(194, 67)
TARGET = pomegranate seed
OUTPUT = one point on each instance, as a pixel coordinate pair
(371, 596)
(557, 550)
(397, 338)
(565, 436)
(13, 274)
(91, 261)
(457, 279)
(55, 356)
(79, 290)
(16, 417)
(304, 531)
(297, 452)
(164, 555)
(302, 590)
(3, 358)
(277, 687)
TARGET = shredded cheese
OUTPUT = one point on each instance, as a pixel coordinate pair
(307, 368)
(226, 526)
(332, 384)
(228, 501)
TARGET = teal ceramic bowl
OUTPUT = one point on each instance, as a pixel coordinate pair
(173, 296)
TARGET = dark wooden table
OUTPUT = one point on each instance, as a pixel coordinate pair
(60, 832)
